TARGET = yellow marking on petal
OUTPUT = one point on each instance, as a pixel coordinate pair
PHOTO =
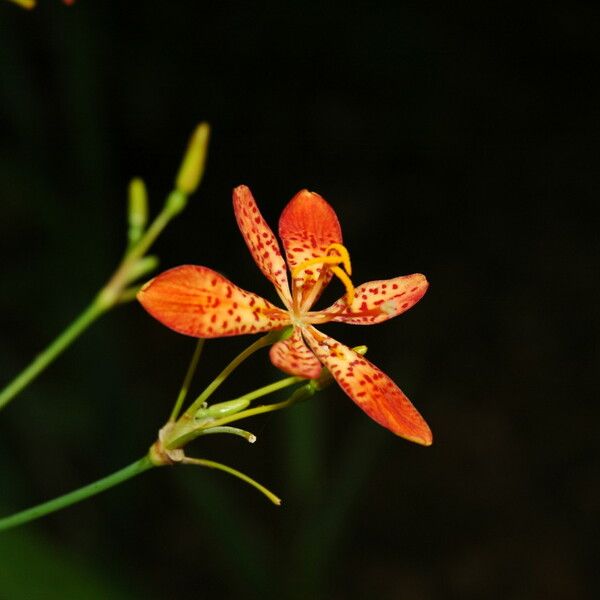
(347, 284)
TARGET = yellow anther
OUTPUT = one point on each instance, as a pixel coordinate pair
(347, 284)
(344, 255)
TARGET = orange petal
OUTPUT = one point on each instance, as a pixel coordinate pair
(294, 357)
(199, 302)
(378, 301)
(261, 241)
(370, 388)
(307, 227)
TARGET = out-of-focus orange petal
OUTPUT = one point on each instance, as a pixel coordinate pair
(261, 241)
(378, 301)
(308, 226)
(199, 302)
(294, 357)
(370, 388)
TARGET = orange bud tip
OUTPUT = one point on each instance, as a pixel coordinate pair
(424, 439)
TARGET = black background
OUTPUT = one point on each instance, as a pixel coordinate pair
(454, 139)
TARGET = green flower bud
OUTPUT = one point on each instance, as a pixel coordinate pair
(138, 209)
(223, 409)
(192, 167)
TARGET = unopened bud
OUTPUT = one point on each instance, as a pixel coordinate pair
(223, 409)
(192, 167)
(28, 4)
(137, 210)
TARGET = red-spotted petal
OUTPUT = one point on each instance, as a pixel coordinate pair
(378, 301)
(261, 241)
(199, 302)
(294, 357)
(370, 388)
(307, 227)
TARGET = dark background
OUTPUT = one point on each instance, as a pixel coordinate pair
(454, 139)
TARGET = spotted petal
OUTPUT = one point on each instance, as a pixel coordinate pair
(261, 241)
(307, 227)
(378, 301)
(199, 302)
(370, 388)
(294, 357)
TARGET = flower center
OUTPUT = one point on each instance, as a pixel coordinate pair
(335, 255)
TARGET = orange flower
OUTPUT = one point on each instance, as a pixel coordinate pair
(199, 302)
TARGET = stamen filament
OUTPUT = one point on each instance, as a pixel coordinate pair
(347, 284)
(320, 260)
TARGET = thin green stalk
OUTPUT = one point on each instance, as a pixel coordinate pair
(187, 380)
(303, 393)
(76, 496)
(215, 465)
(129, 294)
(189, 430)
(42, 360)
(110, 294)
(269, 389)
(133, 265)
(265, 340)
(247, 435)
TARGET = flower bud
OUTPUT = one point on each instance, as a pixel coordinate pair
(192, 167)
(137, 210)
(223, 409)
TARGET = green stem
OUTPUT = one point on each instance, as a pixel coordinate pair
(300, 394)
(129, 294)
(112, 291)
(269, 389)
(247, 435)
(186, 381)
(149, 237)
(108, 296)
(215, 465)
(189, 430)
(265, 340)
(76, 496)
(80, 324)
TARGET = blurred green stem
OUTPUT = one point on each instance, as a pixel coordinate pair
(114, 292)
(76, 496)
(262, 342)
(80, 324)
(187, 380)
